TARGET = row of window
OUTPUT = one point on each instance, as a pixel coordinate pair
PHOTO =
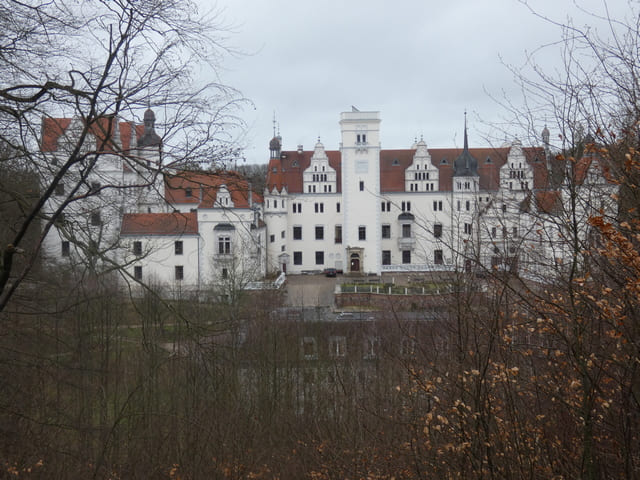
(224, 246)
(406, 230)
(463, 185)
(94, 189)
(438, 257)
(494, 232)
(313, 189)
(178, 272)
(338, 347)
(318, 207)
(319, 233)
(362, 232)
(178, 247)
(415, 187)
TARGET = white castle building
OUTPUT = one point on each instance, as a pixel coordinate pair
(117, 205)
(365, 210)
(360, 209)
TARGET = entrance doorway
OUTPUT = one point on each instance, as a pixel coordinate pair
(355, 263)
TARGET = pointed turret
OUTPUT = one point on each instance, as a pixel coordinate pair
(465, 165)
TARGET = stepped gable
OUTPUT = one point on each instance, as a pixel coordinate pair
(201, 188)
(286, 171)
(159, 224)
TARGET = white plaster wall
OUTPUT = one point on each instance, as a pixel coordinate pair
(158, 259)
(361, 163)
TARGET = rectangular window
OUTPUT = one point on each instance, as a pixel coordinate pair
(386, 231)
(467, 228)
(272, 238)
(514, 231)
(95, 219)
(467, 205)
(337, 346)
(179, 272)
(282, 233)
(319, 258)
(188, 192)
(371, 346)
(224, 245)
(137, 273)
(297, 258)
(137, 248)
(319, 232)
(338, 207)
(362, 233)
(65, 249)
(437, 230)
(338, 234)
(309, 348)
(361, 186)
(494, 232)
(406, 230)
(178, 247)
(297, 233)
(225, 273)
(59, 189)
(406, 256)
(319, 207)
(438, 259)
(406, 206)
(386, 257)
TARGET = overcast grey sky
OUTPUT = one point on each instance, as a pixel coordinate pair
(420, 63)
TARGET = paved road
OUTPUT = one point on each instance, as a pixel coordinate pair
(311, 290)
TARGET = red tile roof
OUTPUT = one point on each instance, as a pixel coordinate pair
(160, 224)
(549, 201)
(287, 170)
(102, 128)
(204, 187)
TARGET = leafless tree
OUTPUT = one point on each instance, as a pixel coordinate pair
(107, 59)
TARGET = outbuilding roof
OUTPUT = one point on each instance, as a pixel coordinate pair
(201, 189)
(160, 224)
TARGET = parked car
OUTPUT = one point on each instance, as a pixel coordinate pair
(330, 272)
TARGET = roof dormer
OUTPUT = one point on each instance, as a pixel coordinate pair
(223, 198)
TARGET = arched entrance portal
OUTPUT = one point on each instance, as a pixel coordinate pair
(354, 265)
